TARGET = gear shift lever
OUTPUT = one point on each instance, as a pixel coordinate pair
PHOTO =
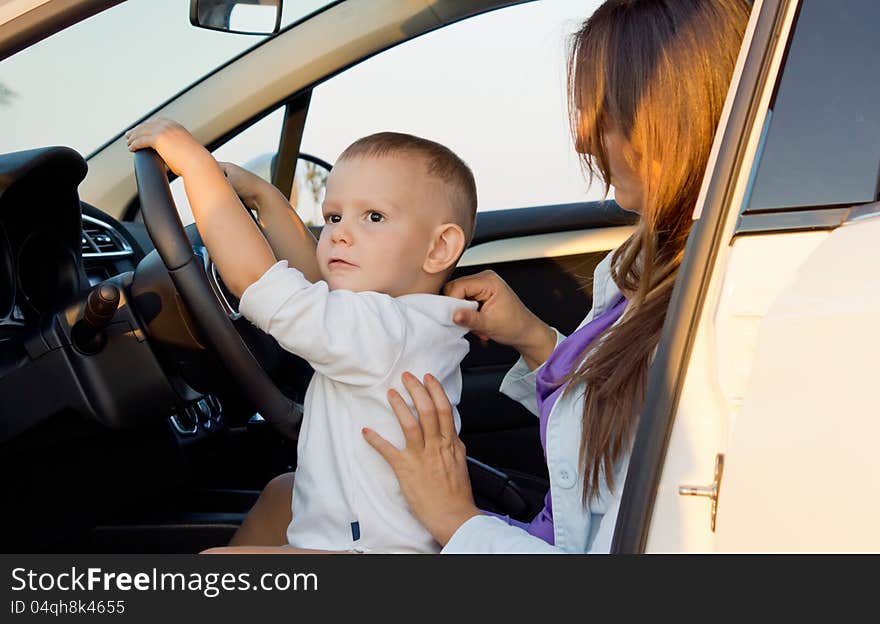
(88, 333)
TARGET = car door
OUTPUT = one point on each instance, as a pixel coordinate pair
(757, 433)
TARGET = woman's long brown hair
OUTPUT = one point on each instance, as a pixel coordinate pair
(658, 72)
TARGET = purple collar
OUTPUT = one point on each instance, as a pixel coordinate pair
(566, 355)
(569, 352)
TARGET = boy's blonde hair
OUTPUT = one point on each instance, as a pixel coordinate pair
(441, 162)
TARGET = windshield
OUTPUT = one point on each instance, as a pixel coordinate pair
(87, 83)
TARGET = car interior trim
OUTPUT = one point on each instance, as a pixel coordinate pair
(214, 281)
(792, 221)
(38, 21)
(15, 8)
(118, 237)
(295, 113)
(763, 48)
(554, 245)
(863, 212)
(174, 419)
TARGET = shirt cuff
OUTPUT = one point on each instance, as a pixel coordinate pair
(520, 383)
(491, 535)
(471, 535)
(261, 300)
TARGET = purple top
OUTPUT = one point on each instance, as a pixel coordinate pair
(557, 366)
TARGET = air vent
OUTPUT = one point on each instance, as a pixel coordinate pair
(100, 240)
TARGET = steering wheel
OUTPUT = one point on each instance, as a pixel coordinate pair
(187, 272)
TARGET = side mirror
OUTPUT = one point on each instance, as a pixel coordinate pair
(247, 17)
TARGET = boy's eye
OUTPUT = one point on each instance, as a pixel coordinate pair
(376, 217)
(333, 218)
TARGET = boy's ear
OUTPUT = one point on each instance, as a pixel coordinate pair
(447, 245)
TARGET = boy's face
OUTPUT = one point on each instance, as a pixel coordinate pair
(380, 215)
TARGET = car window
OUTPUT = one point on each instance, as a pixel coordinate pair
(821, 141)
(492, 88)
(96, 79)
(255, 149)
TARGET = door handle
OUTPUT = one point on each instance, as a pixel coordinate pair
(708, 491)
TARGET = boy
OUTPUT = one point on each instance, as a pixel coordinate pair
(360, 304)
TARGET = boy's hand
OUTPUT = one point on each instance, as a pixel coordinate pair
(177, 147)
(288, 236)
(237, 247)
(250, 187)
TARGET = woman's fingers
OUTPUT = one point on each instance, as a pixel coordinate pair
(445, 418)
(412, 430)
(434, 478)
(477, 287)
(485, 289)
(425, 408)
(467, 317)
(388, 451)
(473, 320)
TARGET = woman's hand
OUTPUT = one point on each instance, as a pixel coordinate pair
(502, 317)
(251, 188)
(432, 468)
(177, 147)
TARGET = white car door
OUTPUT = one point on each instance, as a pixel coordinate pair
(802, 468)
(761, 414)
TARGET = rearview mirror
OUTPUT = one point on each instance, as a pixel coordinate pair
(247, 17)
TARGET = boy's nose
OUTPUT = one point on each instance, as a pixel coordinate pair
(341, 234)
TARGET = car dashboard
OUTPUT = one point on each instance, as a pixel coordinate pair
(52, 246)
(54, 251)
(39, 234)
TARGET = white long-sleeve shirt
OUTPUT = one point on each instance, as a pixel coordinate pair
(345, 495)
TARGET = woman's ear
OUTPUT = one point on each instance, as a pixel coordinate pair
(447, 245)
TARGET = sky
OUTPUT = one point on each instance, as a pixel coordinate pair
(492, 88)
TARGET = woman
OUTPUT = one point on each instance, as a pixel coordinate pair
(647, 81)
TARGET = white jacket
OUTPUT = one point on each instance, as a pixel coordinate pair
(576, 529)
(345, 494)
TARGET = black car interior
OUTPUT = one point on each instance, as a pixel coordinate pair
(122, 429)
